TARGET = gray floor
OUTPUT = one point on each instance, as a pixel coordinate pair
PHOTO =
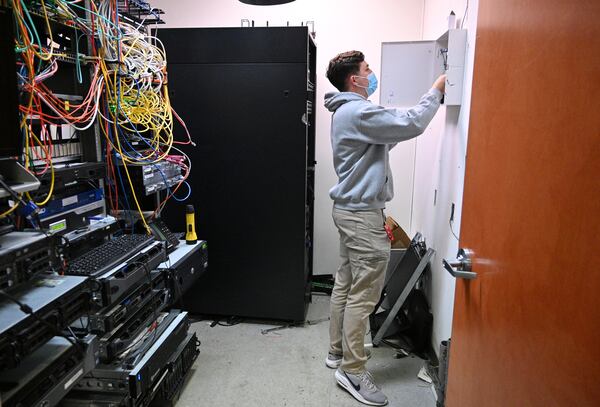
(238, 366)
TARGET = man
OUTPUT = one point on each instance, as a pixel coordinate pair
(362, 134)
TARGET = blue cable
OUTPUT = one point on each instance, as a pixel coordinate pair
(170, 194)
(99, 16)
(109, 134)
(132, 125)
(77, 62)
(124, 191)
(119, 110)
(127, 143)
(119, 129)
(187, 196)
(169, 191)
(119, 43)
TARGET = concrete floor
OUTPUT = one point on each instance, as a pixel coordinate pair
(238, 366)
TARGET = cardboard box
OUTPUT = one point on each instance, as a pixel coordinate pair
(401, 239)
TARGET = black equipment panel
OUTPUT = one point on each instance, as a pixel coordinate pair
(9, 102)
(245, 95)
(56, 300)
(23, 255)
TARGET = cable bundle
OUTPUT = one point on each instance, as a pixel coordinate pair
(127, 97)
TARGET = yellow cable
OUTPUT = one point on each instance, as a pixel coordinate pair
(26, 128)
(27, 148)
(51, 190)
(30, 45)
(49, 32)
(142, 108)
(9, 211)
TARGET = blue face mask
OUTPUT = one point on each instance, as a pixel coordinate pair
(372, 83)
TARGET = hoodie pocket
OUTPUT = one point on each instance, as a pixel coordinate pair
(382, 195)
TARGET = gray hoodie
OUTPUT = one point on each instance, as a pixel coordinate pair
(362, 134)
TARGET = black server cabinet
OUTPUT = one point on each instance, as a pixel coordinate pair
(247, 97)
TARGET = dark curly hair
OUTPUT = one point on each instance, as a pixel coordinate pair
(344, 64)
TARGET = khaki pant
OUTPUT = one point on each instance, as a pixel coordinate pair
(364, 252)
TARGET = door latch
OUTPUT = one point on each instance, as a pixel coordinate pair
(461, 267)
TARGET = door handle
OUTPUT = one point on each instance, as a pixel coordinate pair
(461, 267)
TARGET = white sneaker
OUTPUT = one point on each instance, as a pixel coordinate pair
(334, 361)
(362, 387)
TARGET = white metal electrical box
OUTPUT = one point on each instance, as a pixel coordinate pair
(409, 68)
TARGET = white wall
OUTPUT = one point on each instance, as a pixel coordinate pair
(440, 153)
(341, 25)
(440, 165)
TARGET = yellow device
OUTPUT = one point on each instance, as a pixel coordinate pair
(190, 228)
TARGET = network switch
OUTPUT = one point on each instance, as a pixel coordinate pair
(156, 177)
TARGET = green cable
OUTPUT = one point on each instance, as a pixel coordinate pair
(37, 37)
(321, 285)
(19, 33)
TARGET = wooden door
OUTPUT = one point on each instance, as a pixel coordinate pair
(526, 332)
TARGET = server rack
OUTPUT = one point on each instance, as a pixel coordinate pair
(248, 97)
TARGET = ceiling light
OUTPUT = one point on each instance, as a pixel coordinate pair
(266, 2)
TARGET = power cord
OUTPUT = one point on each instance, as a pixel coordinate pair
(231, 321)
(462, 22)
(451, 223)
